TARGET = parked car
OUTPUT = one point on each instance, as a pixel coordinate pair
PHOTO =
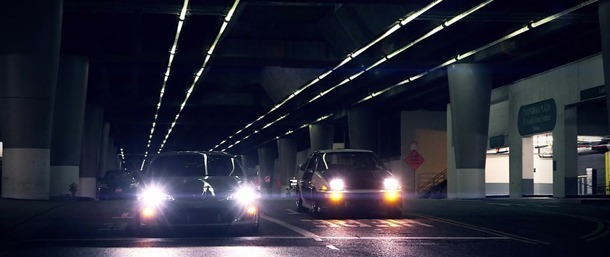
(119, 184)
(336, 181)
(195, 188)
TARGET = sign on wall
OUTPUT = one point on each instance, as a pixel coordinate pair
(537, 117)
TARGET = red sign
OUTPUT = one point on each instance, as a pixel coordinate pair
(414, 159)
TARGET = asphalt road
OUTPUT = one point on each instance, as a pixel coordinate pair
(439, 227)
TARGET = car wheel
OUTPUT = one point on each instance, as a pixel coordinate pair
(300, 207)
(316, 208)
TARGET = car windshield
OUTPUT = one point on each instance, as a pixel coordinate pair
(194, 165)
(351, 160)
(118, 175)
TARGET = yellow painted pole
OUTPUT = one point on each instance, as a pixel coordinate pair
(607, 161)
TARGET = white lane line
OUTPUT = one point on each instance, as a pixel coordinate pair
(482, 229)
(332, 247)
(362, 225)
(301, 231)
(182, 239)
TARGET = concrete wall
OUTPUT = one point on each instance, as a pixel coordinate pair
(428, 131)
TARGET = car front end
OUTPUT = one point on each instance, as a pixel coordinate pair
(237, 207)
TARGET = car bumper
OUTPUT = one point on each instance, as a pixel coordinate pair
(361, 200)
(198, 213)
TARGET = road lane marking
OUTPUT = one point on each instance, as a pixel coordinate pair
(332, 247)
(602, 229)
(251, 238)
(301, 231)
(482, 229)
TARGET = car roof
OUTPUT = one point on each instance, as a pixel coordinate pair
(170, 153)
(344, 151)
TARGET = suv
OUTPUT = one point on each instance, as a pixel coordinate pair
(196, 188)
(347, 179)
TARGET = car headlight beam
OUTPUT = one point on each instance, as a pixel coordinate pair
(337, 184)
(391, 184)
(245, 195)
(154, 196)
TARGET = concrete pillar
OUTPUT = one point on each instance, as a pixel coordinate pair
(68, 118)
(565, 155)
(470, 92)
(321, 136)
(287, 155)
(266, 160)
(527, 164)
(452, 177)
(90, 153)
(604, 25)
(28, 75)
(103, 160)
(362, 127)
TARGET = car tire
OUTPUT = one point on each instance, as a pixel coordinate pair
(300, 207)
(316, 210)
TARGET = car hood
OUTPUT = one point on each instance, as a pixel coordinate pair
(359, 179)
(200, 187)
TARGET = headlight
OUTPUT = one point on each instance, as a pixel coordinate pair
(391, 184)
(337, 184)
(245, 195)
(154, 196)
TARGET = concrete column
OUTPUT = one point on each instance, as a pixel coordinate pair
(362, 127)
(68, 118)
(604, 25)
(28, 75)
(452, 177)
(470, 92)
(90, 153)
(321, 136)
(287, 155)
(527, 164)
(266, 160)
(565, 155)
(103, 160)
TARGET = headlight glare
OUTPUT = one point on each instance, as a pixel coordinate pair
(245, 195)
(391, 184)
(154, 196)
(337, 184)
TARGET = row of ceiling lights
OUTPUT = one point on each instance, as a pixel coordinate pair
(403, 21)
(393, 28)
(515, 33)
(196, 78)
(351, 56)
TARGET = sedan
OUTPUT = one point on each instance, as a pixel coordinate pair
(336, 181)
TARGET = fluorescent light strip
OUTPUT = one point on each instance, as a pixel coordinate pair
(515, 33)
(209, 53)
(181, 19)
(401, 22)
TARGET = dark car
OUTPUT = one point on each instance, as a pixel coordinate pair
(119, 184)
(336, 181)
(193, 188)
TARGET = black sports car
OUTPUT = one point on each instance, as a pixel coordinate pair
(197, 189)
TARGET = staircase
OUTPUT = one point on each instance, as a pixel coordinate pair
(435, 187)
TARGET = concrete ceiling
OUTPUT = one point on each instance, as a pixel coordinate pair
(270, 49)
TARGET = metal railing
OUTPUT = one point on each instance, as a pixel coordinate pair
(430, 182)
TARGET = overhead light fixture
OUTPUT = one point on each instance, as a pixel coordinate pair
(181, 19)
(209, 54)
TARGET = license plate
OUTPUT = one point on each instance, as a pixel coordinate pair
(118, 190)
